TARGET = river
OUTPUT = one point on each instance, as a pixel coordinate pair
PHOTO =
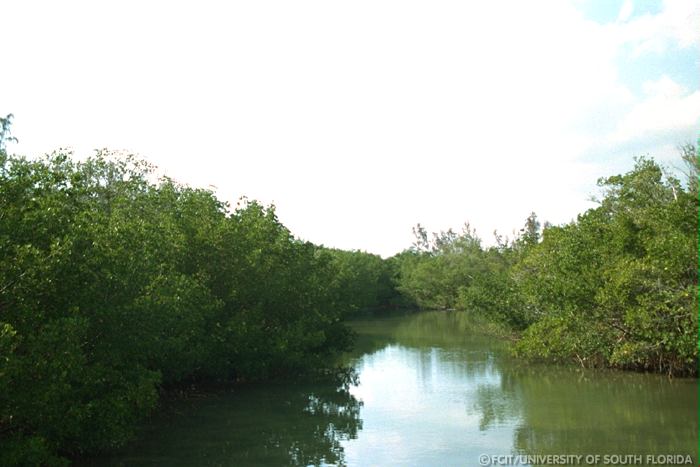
(431, 392)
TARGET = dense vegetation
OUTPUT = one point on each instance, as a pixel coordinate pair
(616, 287)
(113, 286)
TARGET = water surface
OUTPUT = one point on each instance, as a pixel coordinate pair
(431, 392)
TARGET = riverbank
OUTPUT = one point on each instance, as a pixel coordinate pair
(430, 391)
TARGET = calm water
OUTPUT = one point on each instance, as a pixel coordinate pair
(430, 392)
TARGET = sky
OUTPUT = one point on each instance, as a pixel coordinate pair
(358, 119)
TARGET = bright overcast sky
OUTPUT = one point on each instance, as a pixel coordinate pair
(358, 119)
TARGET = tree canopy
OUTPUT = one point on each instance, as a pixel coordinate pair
(113, 286)
(616, 287)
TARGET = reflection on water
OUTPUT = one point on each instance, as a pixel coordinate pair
(430, 392)
(435, 393)
(256, 424)
(605, 412)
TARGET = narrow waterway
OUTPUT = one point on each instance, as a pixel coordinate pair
(430, 392)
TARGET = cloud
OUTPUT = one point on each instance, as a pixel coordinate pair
(625, 11)
(677, 25)
(358, 120)
(667, 108)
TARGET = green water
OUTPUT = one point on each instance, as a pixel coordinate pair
(430, 392)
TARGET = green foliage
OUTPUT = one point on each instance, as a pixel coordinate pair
(432, 272)
(5, 136)
(617, 287)
(112, 286)
(453, 271)
(494, 293)
(363, 282)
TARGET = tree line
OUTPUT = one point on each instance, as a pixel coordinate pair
(114, 286)
(616, 287)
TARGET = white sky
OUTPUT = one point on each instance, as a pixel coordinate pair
(360, 119)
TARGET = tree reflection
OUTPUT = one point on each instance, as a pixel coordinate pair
(583, 412)
(558, 410)
(256, 424)
(497, 404)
